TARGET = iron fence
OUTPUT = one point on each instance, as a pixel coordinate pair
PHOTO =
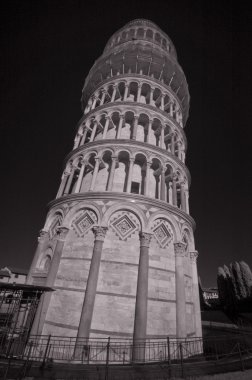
(123, 351)
(111, 358)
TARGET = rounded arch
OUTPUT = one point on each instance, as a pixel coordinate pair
(46, 259)
(52, 216)
(79, 207)
(105, 150)
(187, 236)
(169, 218)
(125, 207)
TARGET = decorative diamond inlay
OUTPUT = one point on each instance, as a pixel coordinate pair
(162, 234)
(123, 227)
(83, 223)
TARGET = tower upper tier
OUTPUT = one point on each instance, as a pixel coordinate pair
(140, 48)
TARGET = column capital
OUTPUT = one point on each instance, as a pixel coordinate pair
(43, 234)
(122, 116)
(62, 233)
(180, 249)
(194, 256)
(99, 232)
(145, 239)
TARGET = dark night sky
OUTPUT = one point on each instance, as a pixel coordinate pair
(47, 49)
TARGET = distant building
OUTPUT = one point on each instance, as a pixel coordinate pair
(13, 275)
(211, 295)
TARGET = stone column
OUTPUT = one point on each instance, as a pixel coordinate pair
(162, 103)
(93, 132)
(88, 305)
(112, 173)
(147, 179)
(63, 184)
(42, 240)
(103, 97)
(96, 168)
(162, 143)
(70, 179)
(172, 144)
(132, 160)
(139, 92)
(135, 127)
(171, 108)
(76, 141)
(78, 184)
(162, 192)
(182, 197)
(126, 91)
(94, 102)
(179, 249)
(114, 93)
(120, 126)
(170, 193)
(149, 131)
(174, 190)
(105, 130)
(84, 136)
(44, 303)
(151, 95)
(140, 323)
(187, 201)
(196, 301)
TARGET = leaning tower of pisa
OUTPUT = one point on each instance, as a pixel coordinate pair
(118, 245)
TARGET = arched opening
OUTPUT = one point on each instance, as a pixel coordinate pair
(168, 183)
(142, 128)
(132, 94)
(76, 173)
(101, 181)
(121, 172)
(127, 128)
(88, 173)
(139, 174)
(156, 128)
(149, 34)
(154, 185)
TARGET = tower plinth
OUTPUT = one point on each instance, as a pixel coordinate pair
(119, 236)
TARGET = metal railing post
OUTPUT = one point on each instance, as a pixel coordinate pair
(240, 356)
(46, 351)
(24, 373)
(169, 356)
(107, 360)
(181, 359)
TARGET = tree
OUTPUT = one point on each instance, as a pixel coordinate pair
(246, 275)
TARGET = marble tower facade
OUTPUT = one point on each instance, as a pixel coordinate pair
(118, 244)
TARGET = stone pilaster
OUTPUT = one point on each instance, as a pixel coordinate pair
(196, 301)
(52, 274)
(42, 240)
(179, 249)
